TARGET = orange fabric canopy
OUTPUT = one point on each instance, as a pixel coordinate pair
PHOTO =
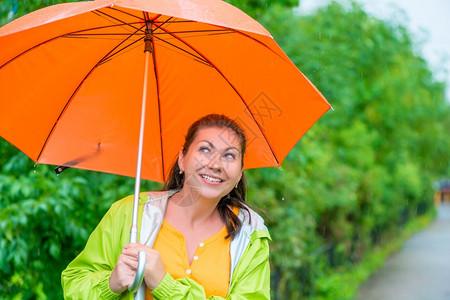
(71, 79)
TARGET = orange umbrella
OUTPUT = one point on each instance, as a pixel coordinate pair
(71, 78)
(109, 85)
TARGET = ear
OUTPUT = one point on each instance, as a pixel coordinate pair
(240, 176)
(181, 160)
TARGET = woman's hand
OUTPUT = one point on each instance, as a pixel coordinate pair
(123, 273)
(154, 268)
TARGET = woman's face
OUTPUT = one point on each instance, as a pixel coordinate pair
(213, 163)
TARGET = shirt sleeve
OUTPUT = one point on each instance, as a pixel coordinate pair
(87, 276)
(250, 281)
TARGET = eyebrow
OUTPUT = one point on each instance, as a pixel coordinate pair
(226, 149)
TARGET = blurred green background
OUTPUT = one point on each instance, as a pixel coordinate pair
(348, 190)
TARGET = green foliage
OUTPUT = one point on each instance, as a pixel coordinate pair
(256, 8)
(349, 187)
(366, 169)
(45, 221)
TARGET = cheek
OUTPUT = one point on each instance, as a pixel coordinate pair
(199, 160)
(196, 161)
(234, 170)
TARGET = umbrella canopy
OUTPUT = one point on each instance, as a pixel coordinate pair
(71, 79)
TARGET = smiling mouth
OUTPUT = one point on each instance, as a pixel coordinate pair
(211, 179)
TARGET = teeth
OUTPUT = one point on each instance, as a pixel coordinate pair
(211, 178)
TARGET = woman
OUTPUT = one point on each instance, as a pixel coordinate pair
(201, 240)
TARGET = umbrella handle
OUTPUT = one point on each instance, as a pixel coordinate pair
(139, 273)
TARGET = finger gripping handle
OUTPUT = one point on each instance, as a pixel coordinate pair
(139, 273)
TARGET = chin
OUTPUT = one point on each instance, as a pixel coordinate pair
(212, 193)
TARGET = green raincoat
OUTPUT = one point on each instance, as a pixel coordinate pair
(87, 276)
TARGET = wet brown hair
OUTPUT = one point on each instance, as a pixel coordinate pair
(236, 197)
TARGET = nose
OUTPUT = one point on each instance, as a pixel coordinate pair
(215, 163)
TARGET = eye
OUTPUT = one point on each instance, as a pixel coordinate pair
(230, 155)
(204, 149)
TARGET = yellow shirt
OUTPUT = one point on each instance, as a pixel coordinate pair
(211, 263)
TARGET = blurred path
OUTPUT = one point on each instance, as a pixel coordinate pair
(420, 270)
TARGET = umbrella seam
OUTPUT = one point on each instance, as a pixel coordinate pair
(260, 42)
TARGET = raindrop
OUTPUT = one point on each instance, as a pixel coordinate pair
(282, 199)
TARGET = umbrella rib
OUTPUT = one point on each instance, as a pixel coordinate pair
(124, 12)
(162, 23)
(28, 50)
(146, 17)
(165, 31)
(75, 92)
(111, 55)
(231, 85)
(65, 35)
(155, 70)
(211, 32)
(197, 58)
(106, 16)
(139, 18)
(222, 31)
(259, 42)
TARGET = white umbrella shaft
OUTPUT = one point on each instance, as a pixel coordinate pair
(137, 287)
(137, 185)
